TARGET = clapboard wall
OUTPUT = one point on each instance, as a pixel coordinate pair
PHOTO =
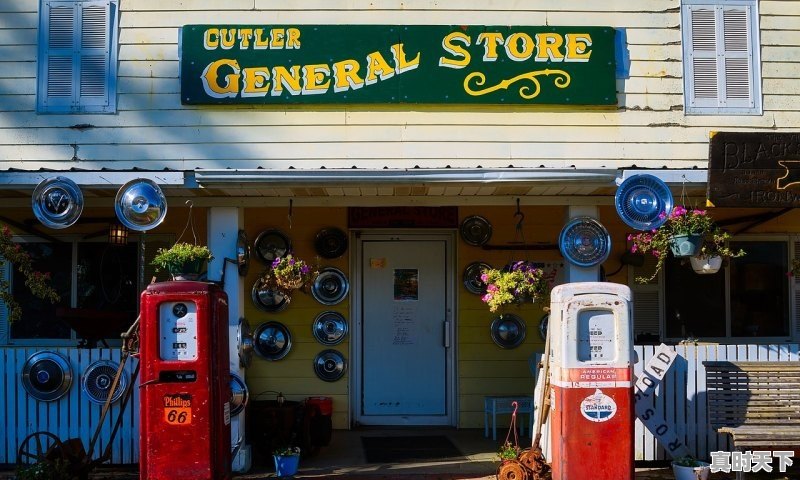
(153, 130)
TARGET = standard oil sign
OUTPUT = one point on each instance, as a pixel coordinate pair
(234, 64)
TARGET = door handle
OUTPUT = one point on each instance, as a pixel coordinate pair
(446, 334)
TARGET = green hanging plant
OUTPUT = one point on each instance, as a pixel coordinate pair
(37, 282)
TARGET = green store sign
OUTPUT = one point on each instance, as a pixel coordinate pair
(388, 64)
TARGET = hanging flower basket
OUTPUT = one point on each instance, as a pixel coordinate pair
(520, 282)
(686, 245)
(705, 265)
(288, 273)
(685, 233)
(184, 261)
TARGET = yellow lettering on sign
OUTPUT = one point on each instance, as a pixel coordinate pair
(278, 35)
(547, 47)
(519, 46)
(401, 64)
(578, 47)
(316, 79)
(261, 40)
(227, 38)
(345, 76)
(245, 34)
(462, 55)
(490, 41)
(211, 38)
(377, 66)
(210, 79)
(292, 38)
(281, 77)
(256, 82)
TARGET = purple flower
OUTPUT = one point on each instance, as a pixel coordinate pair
(305, 269)
(276, 262)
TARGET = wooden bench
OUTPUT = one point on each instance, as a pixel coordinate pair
(756, 403)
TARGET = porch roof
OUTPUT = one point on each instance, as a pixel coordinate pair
(544, 185)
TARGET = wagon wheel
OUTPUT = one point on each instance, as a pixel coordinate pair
(40, 447)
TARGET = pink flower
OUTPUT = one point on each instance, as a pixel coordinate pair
(662, 215)
(634, 248)
(484, 277)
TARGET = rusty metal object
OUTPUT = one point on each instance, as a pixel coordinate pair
(511, 470)
(534, 462)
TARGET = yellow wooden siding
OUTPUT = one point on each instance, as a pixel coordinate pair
(371, 137)
(294, 375)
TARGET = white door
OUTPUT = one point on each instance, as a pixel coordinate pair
(405, 356)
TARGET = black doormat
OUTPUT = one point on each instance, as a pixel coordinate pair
(404, 448)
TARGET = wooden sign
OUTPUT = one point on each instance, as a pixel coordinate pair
(754, 169)
(647, 411)
(402, 217)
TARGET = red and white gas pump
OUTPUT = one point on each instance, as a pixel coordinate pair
(591, 371)
(185, 427)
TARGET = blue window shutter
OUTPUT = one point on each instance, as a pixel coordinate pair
(77, 56)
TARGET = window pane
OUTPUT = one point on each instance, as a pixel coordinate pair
(760, 290)
(107, 299)
(695, 304)
(39, 316)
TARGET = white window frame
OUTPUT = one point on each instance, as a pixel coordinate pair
(77, 103)
(720, 105)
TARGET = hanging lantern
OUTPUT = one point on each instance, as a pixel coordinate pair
(117, 234)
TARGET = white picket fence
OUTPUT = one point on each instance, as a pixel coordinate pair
(71, 416)
(682, 394)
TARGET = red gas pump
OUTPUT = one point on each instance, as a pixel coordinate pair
(185, 382)
(591, 368)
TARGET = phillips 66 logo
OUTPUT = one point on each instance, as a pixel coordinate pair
(598, 407)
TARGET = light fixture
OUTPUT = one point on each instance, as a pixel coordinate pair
(117, 234)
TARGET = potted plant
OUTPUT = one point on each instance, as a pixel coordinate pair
(288, 273)
(37, 282)
(508, 452)
(184, 261)
(713, 252)
(516, 283)
(287, 461)
(689, 468)
(685, 233)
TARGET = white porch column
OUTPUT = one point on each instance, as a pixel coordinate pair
(574, 273)
(224, 224)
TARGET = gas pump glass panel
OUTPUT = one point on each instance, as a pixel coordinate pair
(178, 331)
(584, 242)
(597, 336)
(57, 202)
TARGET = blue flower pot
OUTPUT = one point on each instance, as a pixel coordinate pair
(286, 465)
(685, 245)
